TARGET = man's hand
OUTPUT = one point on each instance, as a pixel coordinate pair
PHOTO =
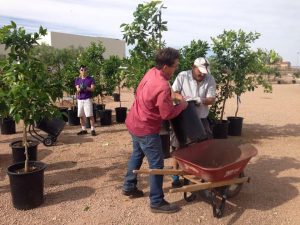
(82, 87)
(176, 98)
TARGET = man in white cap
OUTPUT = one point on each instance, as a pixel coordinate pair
(198, 85)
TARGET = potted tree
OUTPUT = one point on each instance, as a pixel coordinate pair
(109, 70)
(234, 64)
(121, 112)
(27, 100)
(116, 74)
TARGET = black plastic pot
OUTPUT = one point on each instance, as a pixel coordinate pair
(116, 97)
(73, 119)
(220, 129)
(98, 107)
(18, 151)
(105, 117)
(8, 126)
(187, 126)
(27, 189)
(165, 144)
(235, 126)
(121, 113)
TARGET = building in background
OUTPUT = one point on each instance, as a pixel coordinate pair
(63, 40)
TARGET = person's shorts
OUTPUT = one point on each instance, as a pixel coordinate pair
(85, 107)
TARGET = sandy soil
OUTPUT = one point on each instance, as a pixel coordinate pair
(84, 176)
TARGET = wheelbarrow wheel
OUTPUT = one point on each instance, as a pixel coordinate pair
(189, 197)
(218, 208)
(48, 141)
(234, 189)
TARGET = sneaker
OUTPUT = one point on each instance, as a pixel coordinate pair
(177, 184)
(165, 207)
(82, 132)
(93, 132)
(135, 193)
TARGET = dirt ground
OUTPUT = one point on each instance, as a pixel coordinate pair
(84, 176)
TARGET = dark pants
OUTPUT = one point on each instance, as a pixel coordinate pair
(149, 146)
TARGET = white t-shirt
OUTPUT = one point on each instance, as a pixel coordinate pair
(187, 86)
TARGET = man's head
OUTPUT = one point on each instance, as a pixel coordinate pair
(167, 60)
(83, 70)
(200, 68)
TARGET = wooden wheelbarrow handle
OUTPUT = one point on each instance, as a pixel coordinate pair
(160, 171)
(209, 185)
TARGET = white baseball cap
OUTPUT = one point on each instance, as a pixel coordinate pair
(202, 64)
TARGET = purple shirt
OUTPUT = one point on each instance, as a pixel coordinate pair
(85, 82)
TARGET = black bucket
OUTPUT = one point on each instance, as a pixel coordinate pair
(220, 129)
(105, 117)
(188, 127)
(27, 189)
(98, 107)
(18, 151)
(116, 97)
(8, 126)
(121, 113)
(235, 126)
(73, 119)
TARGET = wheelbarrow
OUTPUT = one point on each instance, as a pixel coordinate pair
(52, 127)
(214, 167)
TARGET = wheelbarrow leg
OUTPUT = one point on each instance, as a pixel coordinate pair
(218, 210)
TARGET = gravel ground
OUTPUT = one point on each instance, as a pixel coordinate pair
(84, 176)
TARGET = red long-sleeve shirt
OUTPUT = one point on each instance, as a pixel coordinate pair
(152, 104)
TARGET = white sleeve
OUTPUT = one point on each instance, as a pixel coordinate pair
(211, 88)
(177, 85)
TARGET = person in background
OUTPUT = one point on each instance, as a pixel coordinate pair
(153, 103)
(198, 85)
(85, 85)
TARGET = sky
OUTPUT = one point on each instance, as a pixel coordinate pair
(278, 21)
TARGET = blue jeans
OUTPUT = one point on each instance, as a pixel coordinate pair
(149, 146)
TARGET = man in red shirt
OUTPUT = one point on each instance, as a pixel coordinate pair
(153, 103)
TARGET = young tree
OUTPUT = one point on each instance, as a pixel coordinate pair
(28, 96)
(144, 34)
(191, 52)
(233, 63)
(111, 72)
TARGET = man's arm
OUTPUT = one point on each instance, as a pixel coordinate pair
(166, 108)
(208, 100)
(91, 89)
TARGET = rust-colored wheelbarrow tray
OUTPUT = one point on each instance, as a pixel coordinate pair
(214, 160)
